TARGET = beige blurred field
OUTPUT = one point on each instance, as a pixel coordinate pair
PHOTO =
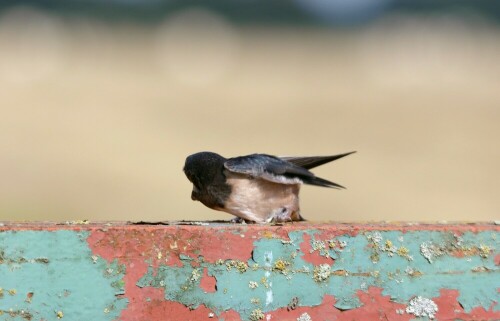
(96, 119)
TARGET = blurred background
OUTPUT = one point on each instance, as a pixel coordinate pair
(101, 101)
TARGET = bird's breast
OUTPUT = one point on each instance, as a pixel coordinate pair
(260, 200)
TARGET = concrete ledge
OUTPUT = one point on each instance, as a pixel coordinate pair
(200, 271)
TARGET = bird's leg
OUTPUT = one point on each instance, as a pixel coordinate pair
(239, 220)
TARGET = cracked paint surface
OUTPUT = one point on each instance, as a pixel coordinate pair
(228, 272)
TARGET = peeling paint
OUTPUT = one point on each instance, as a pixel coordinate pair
(60, 281)
(205, 272)
(396, 271)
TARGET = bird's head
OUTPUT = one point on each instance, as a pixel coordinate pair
(201, 169)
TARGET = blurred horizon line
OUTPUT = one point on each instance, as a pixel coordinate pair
(314, 13)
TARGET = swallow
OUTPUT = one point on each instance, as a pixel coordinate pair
(257, 188)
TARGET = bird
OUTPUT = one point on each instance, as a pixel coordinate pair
(256, 188)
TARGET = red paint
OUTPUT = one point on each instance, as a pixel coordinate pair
(450, 309)
(235, 245)
(324, 311)
(138, 246)
(375, 306)
(310, 256)
(171, 241)
(339, 228)
(497, 259)
(159, 309)
(207, 282)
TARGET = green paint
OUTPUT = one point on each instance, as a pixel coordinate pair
(400, 269)
(61, 274)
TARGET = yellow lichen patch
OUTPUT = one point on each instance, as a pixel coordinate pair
(281, 265)
(12, 291)
(321, 272)
(59, 314)
(484, 250)
(239, 265)
(412, 272)
(416, 274)
(264, 282)
(255, 300)
(404, 252)
(375, 257)
(195, 276)
(256, 315)
(268, 234)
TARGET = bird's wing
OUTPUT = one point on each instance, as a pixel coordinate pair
(309, 162)
(274, 169)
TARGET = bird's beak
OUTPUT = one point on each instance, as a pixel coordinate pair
(194, 193)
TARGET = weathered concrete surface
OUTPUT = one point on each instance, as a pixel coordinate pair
(219, 271)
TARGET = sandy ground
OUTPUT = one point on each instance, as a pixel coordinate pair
(96, 120)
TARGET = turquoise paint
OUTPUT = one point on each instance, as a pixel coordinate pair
(58, 268)
(392, 273)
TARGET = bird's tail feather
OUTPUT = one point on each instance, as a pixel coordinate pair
(318, 181)
(309, 162)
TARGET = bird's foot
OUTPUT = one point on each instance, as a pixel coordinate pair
(239, 220)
